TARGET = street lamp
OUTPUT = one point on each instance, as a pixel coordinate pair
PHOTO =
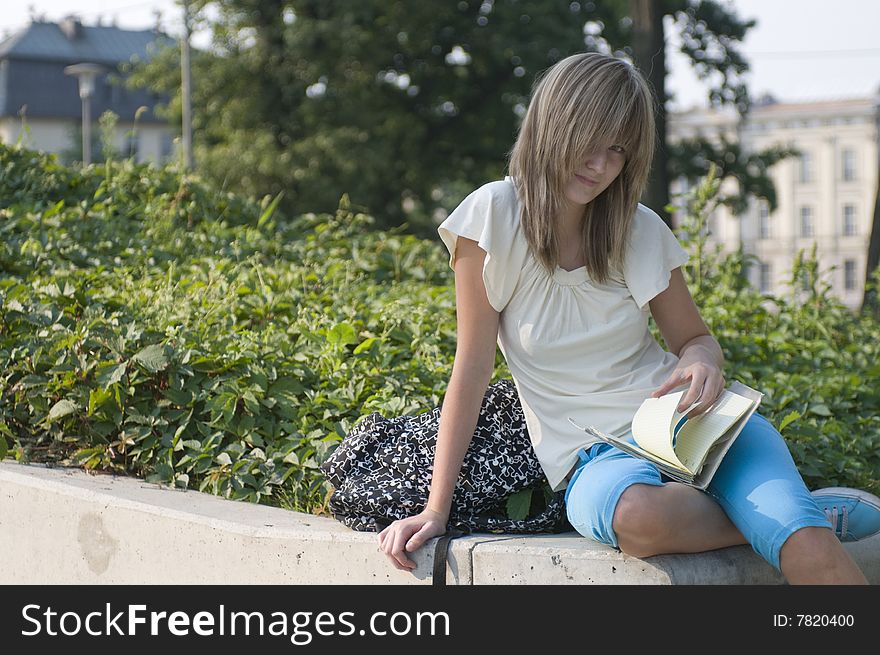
(86, 74)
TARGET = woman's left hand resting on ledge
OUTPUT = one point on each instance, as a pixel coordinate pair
(408, 535)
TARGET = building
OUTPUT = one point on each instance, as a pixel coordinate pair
(36, 93)
(825, 196)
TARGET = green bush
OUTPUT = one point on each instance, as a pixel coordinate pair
(817, 362)
(152, 325)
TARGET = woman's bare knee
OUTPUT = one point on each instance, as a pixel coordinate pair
(638, 520)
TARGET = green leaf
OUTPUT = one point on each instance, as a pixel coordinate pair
(820, 410)
(789, 418)
(289, 384)
(251, 402)
(223, 459)
(341, 334)
(366, 344)
(31, 381)
(266, 215)
(518, 504)
(152, 358)
(98, 397)
(207, 364)
(61, 409)
(54, 209)
(110, 374)
(178, 397)
(3, 447)
(164, 473)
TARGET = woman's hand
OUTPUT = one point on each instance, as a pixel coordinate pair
(707, 383)
(408, 535)
(685, 333)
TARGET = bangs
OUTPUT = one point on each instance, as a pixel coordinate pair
(610, 113)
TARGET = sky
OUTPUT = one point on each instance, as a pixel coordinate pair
(799, 49)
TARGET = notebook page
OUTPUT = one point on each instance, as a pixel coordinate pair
(652, 426)
(697, 435)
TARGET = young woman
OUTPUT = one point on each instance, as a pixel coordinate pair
(561, 264)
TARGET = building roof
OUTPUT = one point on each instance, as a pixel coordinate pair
(71, 41)
(32, 63)
(826, 106)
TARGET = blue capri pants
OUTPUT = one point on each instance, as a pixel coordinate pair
(757, 485)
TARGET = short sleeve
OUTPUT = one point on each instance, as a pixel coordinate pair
(652, 255)
(489, 216)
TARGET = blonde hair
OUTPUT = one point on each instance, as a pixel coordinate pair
(582, 103)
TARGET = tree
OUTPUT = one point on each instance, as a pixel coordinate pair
(404, 105)
(710, 35)
(690, 158)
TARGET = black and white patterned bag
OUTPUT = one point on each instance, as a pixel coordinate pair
(381, 471)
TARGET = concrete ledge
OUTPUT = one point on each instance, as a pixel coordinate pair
(61, 526)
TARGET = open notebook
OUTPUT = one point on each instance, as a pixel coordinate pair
(687, 449)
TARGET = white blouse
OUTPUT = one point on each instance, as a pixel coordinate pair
(574, 348)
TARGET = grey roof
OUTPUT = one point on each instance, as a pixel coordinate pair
(32, 63)
(97, 43)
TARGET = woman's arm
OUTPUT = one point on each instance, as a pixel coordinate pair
(686, 335)
(472, 369)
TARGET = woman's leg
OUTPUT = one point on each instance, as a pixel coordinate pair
(760, 489)
(758, 497)
(672, 518)
(622, 501)
(816, 556)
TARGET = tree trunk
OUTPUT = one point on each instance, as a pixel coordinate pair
(869, 301)
(649, 53)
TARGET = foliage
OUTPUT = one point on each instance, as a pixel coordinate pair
(152, 325)
(691, 158)
(815, 359)
(397, 103)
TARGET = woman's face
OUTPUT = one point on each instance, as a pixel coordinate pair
(596, 173)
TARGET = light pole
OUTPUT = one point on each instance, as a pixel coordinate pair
(186, 87)
(86, 74)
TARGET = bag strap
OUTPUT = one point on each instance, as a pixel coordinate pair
(441, 549)
(441, 553)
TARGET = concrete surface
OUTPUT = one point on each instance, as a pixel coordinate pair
(61, 526)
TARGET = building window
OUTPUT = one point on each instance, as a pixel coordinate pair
(806, 168)
(806, 221)
(763, 220)
(849, 221)
(849, 274)
(805, 280)
(764, 280)
(166, 146)
(849, 165)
